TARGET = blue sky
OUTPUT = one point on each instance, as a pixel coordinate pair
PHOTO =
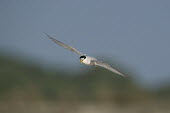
(133, 33)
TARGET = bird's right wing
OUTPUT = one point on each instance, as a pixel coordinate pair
(107, 66)
(64, 45)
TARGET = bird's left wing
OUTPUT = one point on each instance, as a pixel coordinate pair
(107, 66)
(64, 45)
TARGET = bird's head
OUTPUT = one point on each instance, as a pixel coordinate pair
(82, 58)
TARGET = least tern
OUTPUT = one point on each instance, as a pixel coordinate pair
(88, 60)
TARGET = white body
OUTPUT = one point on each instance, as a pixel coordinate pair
(88, 59)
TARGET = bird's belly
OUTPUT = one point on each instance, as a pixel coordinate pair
(88, 60)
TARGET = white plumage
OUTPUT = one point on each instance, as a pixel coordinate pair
(88, 60)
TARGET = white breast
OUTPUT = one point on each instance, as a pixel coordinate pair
(88, 60)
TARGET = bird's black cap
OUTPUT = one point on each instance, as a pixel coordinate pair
(82, 57)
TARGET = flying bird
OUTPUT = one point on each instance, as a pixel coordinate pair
(88, 60)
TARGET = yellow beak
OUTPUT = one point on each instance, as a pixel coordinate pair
(81, 61)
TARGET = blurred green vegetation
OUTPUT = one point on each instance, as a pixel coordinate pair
(27, 81)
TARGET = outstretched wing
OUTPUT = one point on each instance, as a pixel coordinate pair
(107, 66)
(64, 45)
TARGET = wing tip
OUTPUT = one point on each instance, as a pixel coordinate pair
(123, 75)
(48, 36)
(118, 73)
